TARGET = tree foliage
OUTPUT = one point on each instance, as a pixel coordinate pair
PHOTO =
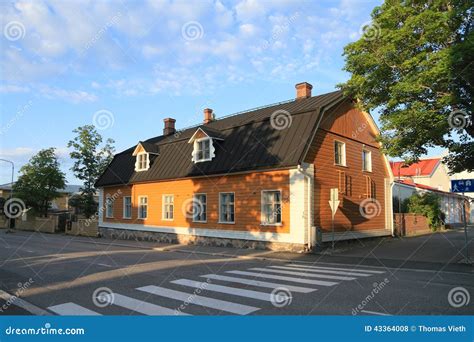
(414, 64)
(40, 181)
(429, 205)
(91, 158)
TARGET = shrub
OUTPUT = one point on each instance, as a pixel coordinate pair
(429, 205)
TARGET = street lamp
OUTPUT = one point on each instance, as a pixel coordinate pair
(10, 225)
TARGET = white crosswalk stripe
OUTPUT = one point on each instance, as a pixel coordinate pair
(258, 283)
(142, 307)
(191, 298)
(323, 271)
(301, 274)
(336, 268)
(225, 289)
(291, 279)
(72, 309)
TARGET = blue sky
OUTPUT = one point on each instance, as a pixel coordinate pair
(135, 63)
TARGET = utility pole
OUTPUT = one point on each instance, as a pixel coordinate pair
(12, 220)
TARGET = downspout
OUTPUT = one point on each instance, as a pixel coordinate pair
(309, 217)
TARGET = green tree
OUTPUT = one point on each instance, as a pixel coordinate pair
(414, 64)
(428, 205)
(40, 181)
(91, 158)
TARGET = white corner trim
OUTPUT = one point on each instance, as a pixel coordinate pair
(298, 210)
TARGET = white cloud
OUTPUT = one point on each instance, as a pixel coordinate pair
(11, 88)
(74, 96)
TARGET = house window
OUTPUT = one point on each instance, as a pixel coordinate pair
(226, 207)
(127, 207)
(203, 149)
(142, 207)
(271, 207)
(142, 162)
(366, 160)
(339, 153)
(168, 207)
(109, 209)
(200, 208)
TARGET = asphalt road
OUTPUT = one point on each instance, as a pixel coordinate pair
(56, 274)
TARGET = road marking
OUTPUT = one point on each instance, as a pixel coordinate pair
(375, 313)
(72, 309)
(336, 268)
(212, 303)
(296, 280)
(270, 285)
(142, 307)
(225, 289)
(324, 271)
(21, 303)
(302, 274)
(105, 265)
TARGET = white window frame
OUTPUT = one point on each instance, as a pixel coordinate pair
(262, 211)
(369, 154)
(164, 207)
(138, 161)
(109, 205)
(220, 207)
(204, 205)
(124, 209)
(196, 150)
(343, 153)
(140, 204)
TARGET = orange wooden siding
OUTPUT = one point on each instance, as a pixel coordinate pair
(247, 189)
(350, 126)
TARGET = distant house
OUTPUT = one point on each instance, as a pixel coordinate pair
(60, 203)
(431, 172)
(260, 178)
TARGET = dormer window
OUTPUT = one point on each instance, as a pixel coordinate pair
(203, 149)
(142, 155)
(143, 161)
(203, 144)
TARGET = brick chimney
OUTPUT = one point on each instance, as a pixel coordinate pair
(208, 116)
(169, 126)
(303, 90)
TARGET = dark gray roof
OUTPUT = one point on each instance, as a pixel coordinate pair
(149, 147)
(250, 142)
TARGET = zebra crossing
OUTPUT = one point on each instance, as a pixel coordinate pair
(260, 286)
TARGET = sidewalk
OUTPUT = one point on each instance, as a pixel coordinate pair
(433, 252)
